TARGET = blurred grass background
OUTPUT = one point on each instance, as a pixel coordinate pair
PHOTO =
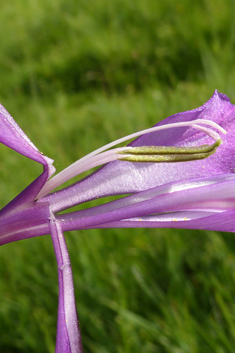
(76, 75)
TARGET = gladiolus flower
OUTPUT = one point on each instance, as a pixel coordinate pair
(178, 174)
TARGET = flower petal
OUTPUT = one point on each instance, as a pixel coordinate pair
(12, 136)
(121, 177)
(204, 195)
(207, 221)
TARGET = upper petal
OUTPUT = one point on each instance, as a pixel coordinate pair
(12, 136)
(121, 177)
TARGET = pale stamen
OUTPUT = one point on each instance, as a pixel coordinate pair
(99, 157)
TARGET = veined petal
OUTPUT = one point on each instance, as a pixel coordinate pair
(204, 221)
(122, 177)
(206, 195)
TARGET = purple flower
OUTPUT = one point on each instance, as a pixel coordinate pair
(177, 175)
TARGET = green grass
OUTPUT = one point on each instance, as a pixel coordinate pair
(76, 75)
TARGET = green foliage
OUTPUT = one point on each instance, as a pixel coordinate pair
(112, 46)
(76, 75)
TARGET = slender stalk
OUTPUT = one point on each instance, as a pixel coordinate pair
(68, 338)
